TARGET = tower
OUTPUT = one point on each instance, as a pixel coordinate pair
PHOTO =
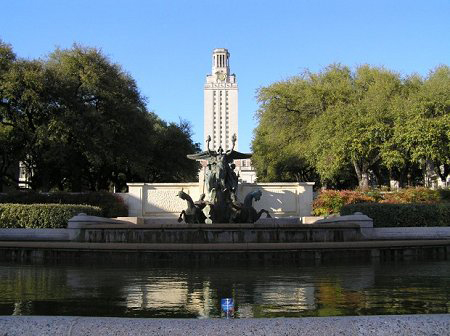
(220, 102)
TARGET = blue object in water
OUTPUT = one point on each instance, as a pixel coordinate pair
(227, 304)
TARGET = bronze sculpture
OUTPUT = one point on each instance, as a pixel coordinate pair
(193, 214)
(246, 213)
(219, 203)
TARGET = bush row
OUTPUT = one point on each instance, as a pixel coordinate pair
(401, 215)
(331, 201)
(111, 205)
(411, 195)
(42, 216)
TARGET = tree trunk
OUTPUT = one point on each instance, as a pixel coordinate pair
(364, 182)
(428, 172)
(362, 172)
(443, 171)
(404, 175)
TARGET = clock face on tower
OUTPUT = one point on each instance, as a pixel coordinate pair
(221, 75)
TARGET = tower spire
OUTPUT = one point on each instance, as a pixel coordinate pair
(220, 102)
(221, 61)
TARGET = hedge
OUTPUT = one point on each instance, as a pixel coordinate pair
(331, 201)
(412, 195)
(401, 215)
(42, 216)
(111, 205)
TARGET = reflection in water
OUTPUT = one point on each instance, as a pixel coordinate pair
(195, 291)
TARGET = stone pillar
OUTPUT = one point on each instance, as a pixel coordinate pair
(135, 199)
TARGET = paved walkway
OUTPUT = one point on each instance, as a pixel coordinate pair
(438, 325)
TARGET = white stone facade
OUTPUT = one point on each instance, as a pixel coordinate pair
(220, 102)
(245, 171)
(291, 199)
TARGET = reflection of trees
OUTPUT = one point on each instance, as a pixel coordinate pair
(23, 286)
(30, 283)
(336, 301)
(276, 297)
(174, 290)
(410, 288)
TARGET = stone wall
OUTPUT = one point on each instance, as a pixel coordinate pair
(232, 234)
(161, 200)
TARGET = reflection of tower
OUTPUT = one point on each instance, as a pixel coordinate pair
(220, 102)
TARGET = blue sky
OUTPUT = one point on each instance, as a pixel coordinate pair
(166, 45)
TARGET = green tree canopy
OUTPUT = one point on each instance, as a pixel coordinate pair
(84, 125)
(10, 145)
(422, 128)
(286, 111)
(370, 120)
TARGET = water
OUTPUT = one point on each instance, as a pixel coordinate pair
(264, 290)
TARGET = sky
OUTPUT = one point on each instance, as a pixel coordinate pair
(166, 46)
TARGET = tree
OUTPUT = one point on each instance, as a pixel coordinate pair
(119, 138)
(173, 143)
(331, 121)
(9, 144)
(103, 119)
(423, 123)
(26, 104)
(356, 131)
(287, 109)
(83, 124)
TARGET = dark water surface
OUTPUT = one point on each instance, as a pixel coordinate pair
(259, 290)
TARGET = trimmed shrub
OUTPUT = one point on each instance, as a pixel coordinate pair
(401, 215)
(110, 204)
(42, 216)
(331, 201)
(412, 195)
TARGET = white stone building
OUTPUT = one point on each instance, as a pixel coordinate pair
(220, 102)
(221, 112)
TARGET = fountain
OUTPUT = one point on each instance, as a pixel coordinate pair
(235, 221)
(219, 202)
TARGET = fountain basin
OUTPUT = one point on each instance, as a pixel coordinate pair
(216, 233)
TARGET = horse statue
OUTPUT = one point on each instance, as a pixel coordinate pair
(246, 213)
(193, 214)
(219, 175)
(220, 187)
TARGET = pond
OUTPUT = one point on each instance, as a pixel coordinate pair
(259, 290)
